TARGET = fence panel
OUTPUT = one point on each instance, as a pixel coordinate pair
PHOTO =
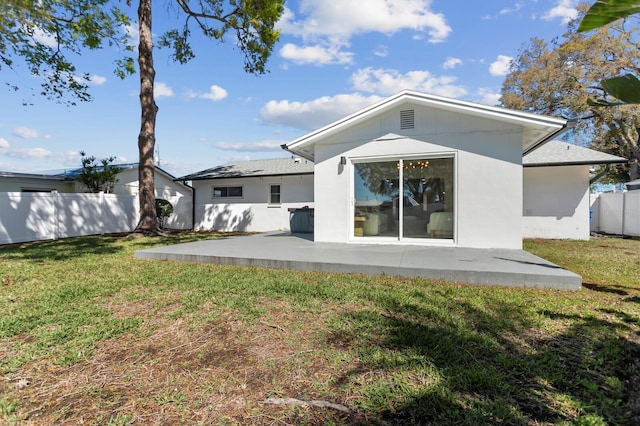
(79, 214)
(611, 212)
(49, 215)
(27, 217)
(632, 213)
(181, 218)
(617, 213)
(120, 213)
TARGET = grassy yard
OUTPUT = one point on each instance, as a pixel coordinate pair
(90, 335)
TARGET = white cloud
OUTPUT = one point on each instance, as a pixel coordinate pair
(94, 80)
(565, 10)
(381, 51)
(161, 89)
(4, 144)
(261, 146)
(388, 82)
(45, 159)
(316, 54)
(488, 97)
(500, 67)
(97, 80)
(44, 37)
(316, 113)
(133, 33)
(326, 27)
(451, 63)
(516, 7)
(346, 18)
(28, 133)
(190, 94)
(507, 10)
(216, 93)
(28, 153)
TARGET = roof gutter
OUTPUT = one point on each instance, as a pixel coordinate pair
(566, 126)
(575, 163)
(306, 157)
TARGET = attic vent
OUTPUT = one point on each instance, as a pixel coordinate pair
(407, 119)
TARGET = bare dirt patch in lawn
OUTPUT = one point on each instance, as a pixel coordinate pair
(188, 371)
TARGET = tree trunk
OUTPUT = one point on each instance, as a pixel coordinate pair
(634, 158)
(148, 223)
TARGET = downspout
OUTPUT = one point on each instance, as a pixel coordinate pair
(193, 207)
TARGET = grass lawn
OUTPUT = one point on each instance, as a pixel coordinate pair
(90, 335)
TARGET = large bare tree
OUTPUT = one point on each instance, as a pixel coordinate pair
(561, 76)
(28, 26)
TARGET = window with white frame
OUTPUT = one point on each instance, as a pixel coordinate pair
(227, 192)
(274, 194)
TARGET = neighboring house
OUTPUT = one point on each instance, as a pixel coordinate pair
(178, 194)
(556, 190)
(35, 182)
(258, 195)
(66, 181)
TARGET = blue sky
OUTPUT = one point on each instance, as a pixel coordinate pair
(333, 58)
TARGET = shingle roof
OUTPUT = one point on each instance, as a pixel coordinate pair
(254, 168)
(18, 175)
(558, 153)
(72, 174)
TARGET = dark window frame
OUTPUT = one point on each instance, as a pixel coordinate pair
(227, 191)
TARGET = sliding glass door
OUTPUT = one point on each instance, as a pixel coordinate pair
(375, 189)
(404, 198)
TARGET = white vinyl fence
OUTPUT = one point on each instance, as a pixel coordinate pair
(616, 213)
(51, 215)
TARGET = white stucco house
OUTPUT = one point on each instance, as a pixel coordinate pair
(411, 169)
(259, 195)
(166, 187)
(556, 190)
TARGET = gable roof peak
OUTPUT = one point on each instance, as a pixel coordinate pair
(542, 127)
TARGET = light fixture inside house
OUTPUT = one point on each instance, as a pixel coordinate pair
(343, 161)
(408, 164)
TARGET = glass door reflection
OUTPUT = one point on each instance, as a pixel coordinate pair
(427, 198)
(407, 198)
(375, 188)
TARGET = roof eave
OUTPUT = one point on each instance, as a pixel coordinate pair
(301, 154)
(565, 126)
(185, 178)
(574, 163)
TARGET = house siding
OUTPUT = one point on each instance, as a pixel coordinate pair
(252, 212)
(556, 202)
(488, 161)
(11, 184)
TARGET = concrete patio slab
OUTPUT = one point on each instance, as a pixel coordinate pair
(493, 267)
